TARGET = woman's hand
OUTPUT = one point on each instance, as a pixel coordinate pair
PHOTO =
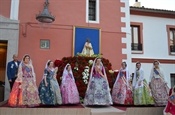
(20, 86)
(140, 83)
(56, 69)
(102, 75)
(55, 77)
(46, 84)
(19, 79)
(149, 84)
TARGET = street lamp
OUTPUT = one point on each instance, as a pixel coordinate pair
(45, 16)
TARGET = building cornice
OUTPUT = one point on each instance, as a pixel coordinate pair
(152, 12)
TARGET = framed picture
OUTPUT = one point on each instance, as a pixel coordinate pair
(82, 34)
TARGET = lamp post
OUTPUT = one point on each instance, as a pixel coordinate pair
(45, 16)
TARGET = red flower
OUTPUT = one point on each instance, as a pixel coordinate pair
(81, 62)
(57, 62)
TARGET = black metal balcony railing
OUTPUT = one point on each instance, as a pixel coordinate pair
(136, 47)
(172, 48)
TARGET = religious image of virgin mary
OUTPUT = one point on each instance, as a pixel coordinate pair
(87, 49)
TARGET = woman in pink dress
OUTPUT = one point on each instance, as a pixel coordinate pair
(25, 92)
(170, 107)
(69, 91)
(122, 91)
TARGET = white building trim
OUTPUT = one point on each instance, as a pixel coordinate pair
(126, 30)
(97, 12)
(14, 11)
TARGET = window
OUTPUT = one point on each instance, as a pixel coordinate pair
(44, 44)
(172, 40)
(136, 44)
(92, 11)
(172, 79)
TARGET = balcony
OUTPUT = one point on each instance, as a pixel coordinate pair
(172, 48)
(136, 47)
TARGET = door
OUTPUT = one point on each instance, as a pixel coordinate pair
(3, 57)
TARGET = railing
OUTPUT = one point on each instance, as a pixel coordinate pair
(172, 48)
(136, 47)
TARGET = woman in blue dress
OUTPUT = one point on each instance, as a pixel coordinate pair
(49, 90)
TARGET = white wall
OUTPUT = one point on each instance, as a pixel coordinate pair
(155, 44)
(155, 41)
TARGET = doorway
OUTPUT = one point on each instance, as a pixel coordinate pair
(3, 57)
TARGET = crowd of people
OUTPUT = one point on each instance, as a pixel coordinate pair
(24, 92)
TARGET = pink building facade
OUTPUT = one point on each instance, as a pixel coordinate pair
(111, 17)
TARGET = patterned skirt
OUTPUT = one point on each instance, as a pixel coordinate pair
(159, 91)
(50, 94)
(24, 94)
(98, 92)
(69, 91)
(142, 95)
(121, 94)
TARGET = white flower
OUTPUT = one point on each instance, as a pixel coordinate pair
(86, 67)
(86, 70)
(76, 68)
(91, 62)
(84, 77)
(87, 74)
(85, 81)
(83, 73)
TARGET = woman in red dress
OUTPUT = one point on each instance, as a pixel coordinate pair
(25, 92)
(170, 107)
(122, 92)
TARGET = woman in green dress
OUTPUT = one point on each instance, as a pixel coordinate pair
(141, 90)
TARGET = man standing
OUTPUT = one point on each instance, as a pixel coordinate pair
(12, 70)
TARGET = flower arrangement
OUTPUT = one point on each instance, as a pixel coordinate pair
(85, 74)
(95, 55)
(81, 66)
